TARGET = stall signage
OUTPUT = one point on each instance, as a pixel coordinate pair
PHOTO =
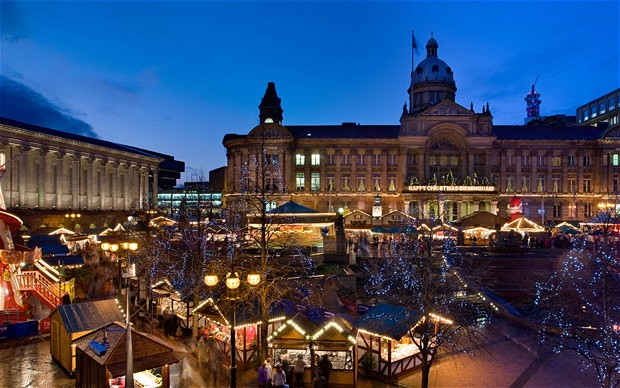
(450, 188)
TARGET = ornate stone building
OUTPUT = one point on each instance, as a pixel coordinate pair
(55, 172)
(443, 160)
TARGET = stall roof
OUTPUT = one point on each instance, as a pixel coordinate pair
(211, 310)
(386, 320)
(148, 351)
(49, 244)
(481, 218)
(292, 207)
(522, 224)
(64, 260)
(299, 324)
(85, 316)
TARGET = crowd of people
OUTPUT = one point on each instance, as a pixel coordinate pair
(286, 374)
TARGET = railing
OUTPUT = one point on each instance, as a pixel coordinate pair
(35, 282)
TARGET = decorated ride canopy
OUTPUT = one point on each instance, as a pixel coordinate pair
(522, 225)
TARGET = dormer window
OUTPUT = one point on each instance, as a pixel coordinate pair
(268, 120)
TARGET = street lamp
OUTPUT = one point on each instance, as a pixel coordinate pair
(232, 283)
(130, 272)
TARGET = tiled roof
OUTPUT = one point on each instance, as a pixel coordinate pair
(386, 319)
(521, 132)
(345, 131)
(292, 207)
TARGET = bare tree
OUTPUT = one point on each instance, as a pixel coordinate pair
(580, 309)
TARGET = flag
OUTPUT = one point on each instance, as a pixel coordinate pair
(414, 44)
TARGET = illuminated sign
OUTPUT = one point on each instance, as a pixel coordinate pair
(434, 188)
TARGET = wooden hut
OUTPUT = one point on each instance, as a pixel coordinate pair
(72, 321)
(166, 297)
(337, 340)
(97, 367)
(292, 340)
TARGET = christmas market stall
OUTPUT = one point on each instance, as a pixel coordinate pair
(293, 339)
(336, 339)
(72, 321)
(102, 356)
(384, 341)
(169, 305)
(214, 325)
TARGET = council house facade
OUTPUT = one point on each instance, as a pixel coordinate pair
(442, 161)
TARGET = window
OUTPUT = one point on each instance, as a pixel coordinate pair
(556, 161)
(510, 160)
(601, 107)
(614, 160)
(586, 112)
(270, 205)
(346, 160)
(315, 181)
(392, 160)
(376, 182)
(510, 184)
(315, 159)
(572, 185)
(570, 160)
(376, 160)
(557, 210)
(587, 210)
(614, 184)
(361, 183)
(557, 184)
(525, 160)
(593, 110)
(411, 160)
(361, 160)
(586, 161)
(271, 159)
(346, 183)
(611, 104)
(300, 181)
(525, 184)
(432, 160)
(329, 160)
(443, 160)
(454, 160)
(587, 185)
(392, 180)
(540, 188)
(330, 182)
(479, 160)
(542, 160)
(300, 160)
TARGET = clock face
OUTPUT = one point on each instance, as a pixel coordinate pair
(377, 211)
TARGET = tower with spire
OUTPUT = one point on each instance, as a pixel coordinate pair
(270, 110)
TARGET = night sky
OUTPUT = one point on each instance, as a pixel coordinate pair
(175, 77)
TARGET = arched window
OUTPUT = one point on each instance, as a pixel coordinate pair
(435, 69)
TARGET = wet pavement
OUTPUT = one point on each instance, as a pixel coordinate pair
(511, 358)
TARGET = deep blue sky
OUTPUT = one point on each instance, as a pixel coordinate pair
(175, 77)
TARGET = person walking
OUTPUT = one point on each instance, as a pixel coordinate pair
(263, 378)
(299, 367)
(319, 381)
(279, 377)
(325, 366)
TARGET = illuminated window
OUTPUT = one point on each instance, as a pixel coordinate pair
(525, 184)
(361, 183)
(587, 185)
(540, 188)
(376, 182)
(443, 160)
(601, 108)
(556, 161)
(587, 210)
(300, 160)
(392, 180)
(510, 184)
(300, 181)
(614, 160)
(611, 104)
(315, 181)
(585, 114)
(454, 160)
(432, 160)
(572, 185)
(525, 160)
(346, 183)
(330, 182)
(315, 159)
(557, 184)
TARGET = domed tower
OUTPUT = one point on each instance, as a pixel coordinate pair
(432, 81)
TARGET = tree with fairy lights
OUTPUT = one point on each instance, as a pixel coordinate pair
(437, 287)
(265, 247)
(579, 304)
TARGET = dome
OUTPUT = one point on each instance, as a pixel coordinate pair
(432, 69)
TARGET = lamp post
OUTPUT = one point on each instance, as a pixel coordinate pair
(129, 273)
(232, 283)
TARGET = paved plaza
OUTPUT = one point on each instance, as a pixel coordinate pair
(511, 358)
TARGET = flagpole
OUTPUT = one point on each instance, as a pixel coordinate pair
(413, 47)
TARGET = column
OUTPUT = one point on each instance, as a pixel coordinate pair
(156, 185)
(60, 180)
(42, 177)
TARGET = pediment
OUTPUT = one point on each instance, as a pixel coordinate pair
(612, 133)
(447, 108)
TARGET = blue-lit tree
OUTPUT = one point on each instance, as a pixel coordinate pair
(443, 308)
(580, 303)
